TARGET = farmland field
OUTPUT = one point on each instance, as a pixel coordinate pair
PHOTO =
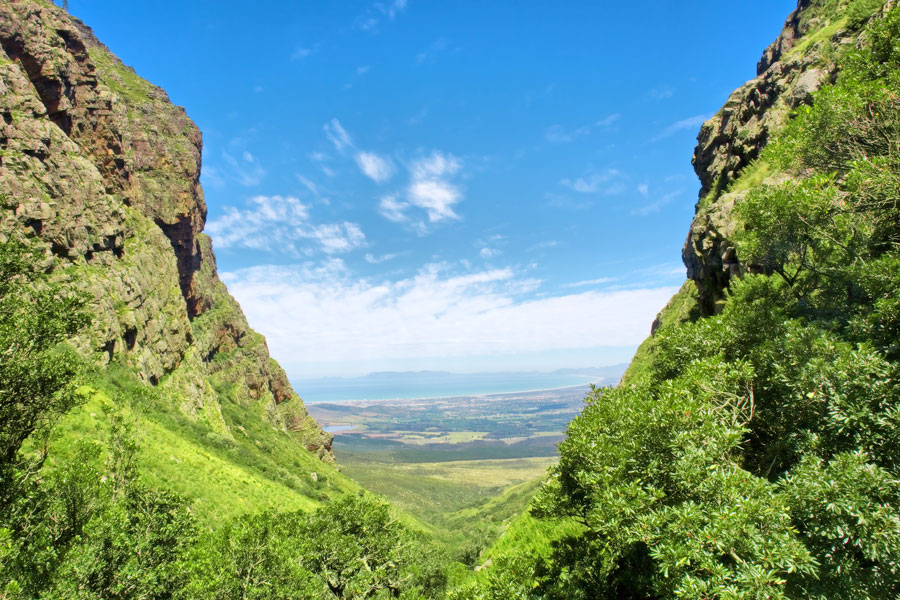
(457, 462)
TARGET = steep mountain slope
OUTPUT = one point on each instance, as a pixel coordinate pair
(100, 172)
(100, 169)
(726, 158)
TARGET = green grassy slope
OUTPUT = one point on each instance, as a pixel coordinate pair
(256, 468)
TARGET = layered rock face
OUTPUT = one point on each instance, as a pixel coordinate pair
(790, 70)
(100, 170)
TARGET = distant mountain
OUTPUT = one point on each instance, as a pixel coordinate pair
(609, 371)
(385, 385)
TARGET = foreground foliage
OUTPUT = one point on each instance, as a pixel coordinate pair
(80, 524)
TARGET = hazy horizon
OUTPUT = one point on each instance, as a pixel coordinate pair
(436, 384)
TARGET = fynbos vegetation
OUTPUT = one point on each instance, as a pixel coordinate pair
(151, 449)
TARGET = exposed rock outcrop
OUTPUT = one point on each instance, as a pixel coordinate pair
(102, 171)
(790, 70)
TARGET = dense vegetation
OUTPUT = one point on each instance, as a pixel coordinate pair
(755, 455)
(759, 454)
(81, 523)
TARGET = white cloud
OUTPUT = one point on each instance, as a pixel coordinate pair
(375, 167)
(369, 20)
(436, 165)
(677, 126)
(321, 313)
(246, 170)
(377, 260)
(543, 245)
(607, 183)
(429, 188)
(558, 134)
(643, 189)
(362, 70)
(337, 238)
(608, 120)
(281, 224)
(338, 135)
(301, 52)
(589, 282)
(393, 209)
(487, 253)
(308, 184)
(661, 93)
(656, 205)
(437, 197)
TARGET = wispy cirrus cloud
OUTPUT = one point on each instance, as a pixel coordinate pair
(281, 224)
(308, 184)
(429, 55)
(302, 52)
(558, 134)
(663, 92)
(688, 123)
(321, 159)
(374, 15)
(244, 169)
(372, 259)
(590, 282)
(657, 204)
(338, 136)
(607, 183)
(376, 167)
(325, 313)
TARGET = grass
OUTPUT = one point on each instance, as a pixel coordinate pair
(260, 468)
(752, 175)
(821, 35)
(682, 307)
(434, 490)
(119, 78)
(450, 437)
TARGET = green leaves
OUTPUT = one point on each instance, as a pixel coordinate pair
(35, 374)
(351, 548)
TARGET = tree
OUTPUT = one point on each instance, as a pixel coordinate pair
(36, 387)
(36, 373)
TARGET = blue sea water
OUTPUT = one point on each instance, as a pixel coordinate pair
(431, 384)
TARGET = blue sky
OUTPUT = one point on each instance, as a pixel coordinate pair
(464, 186)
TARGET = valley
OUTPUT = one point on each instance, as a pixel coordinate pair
(457, 463)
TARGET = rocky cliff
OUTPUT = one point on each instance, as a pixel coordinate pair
(794, 66)
(101, 171)
(727, 156)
